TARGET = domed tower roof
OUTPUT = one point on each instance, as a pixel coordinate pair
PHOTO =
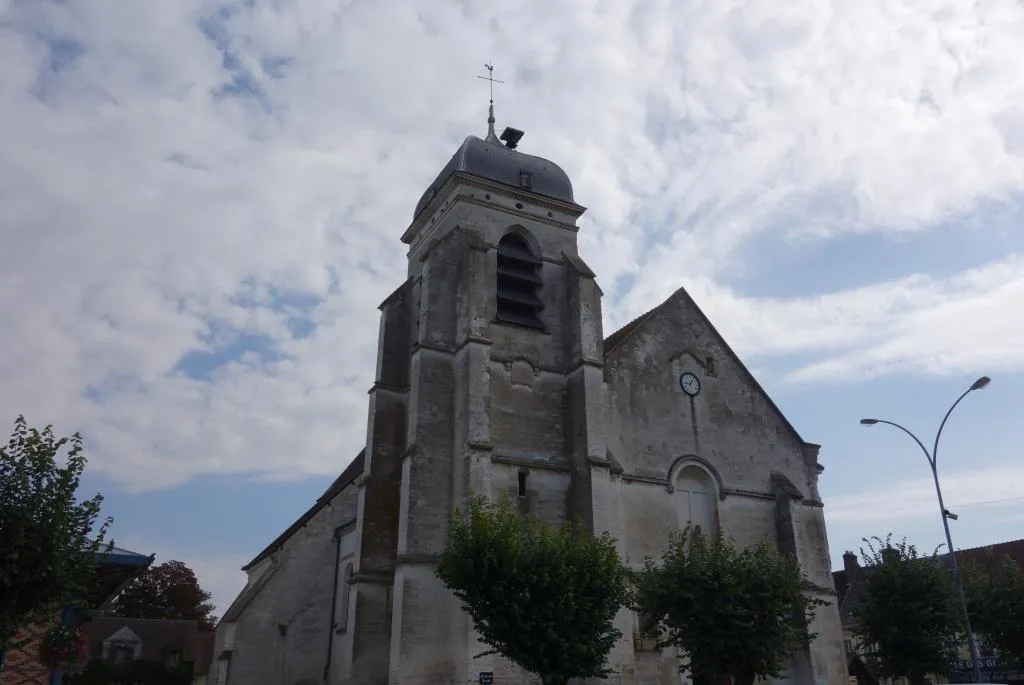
(489, 158)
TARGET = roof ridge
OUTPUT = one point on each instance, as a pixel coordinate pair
(351, 472)
(1019, 541)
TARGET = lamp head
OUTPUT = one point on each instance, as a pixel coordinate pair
(981, 383)
(868, 422)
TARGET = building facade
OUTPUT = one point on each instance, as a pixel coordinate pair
(494, 375)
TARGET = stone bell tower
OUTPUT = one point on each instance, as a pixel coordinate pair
(488, 381)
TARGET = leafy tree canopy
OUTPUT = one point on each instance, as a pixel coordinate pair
(544, 598)
(168, 590)
(47, 557)
(906, 610)
(734, 612)
(995, 594)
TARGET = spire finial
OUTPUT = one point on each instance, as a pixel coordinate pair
(491, 135)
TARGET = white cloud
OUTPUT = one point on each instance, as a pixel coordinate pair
(914, 325)
(136, 208)
(916, 498)
(1012, 518)
(969, 323)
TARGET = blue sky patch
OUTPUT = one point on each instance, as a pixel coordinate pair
(275, 67)
(777, 266)
(203, 364)
(64, 52)
(241, 81)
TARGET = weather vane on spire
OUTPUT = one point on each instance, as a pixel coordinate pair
(490, 79)
(491, 136)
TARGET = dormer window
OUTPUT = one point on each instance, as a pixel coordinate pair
(519, 283)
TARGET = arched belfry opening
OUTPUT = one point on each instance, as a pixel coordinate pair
(697, 499)
(519, 283)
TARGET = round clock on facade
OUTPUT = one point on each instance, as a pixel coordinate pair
(689, 383)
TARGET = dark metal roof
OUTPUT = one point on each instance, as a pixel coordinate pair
(123, 557)
(495, 162)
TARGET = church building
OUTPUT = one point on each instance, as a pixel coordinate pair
(494, 375)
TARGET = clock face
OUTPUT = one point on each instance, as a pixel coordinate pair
(689, 383)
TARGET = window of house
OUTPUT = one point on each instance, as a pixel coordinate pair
(522, 483)
(173, 658)
(519, 283)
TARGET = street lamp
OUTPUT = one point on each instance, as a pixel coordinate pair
(946, 513)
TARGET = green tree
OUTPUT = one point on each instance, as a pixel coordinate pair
(47, 557)
(906, 610)
(736, 613)
(995, 594)
(544, 598)
(168, 590)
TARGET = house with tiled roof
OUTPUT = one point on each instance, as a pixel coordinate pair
(173, 644)
(115, 569)
(847, 591)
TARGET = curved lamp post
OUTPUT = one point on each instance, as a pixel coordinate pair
(946, 514)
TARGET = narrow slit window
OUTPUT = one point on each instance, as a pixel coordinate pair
(522, 483)
(519, 283)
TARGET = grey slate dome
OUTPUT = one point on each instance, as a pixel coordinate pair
(491, 160)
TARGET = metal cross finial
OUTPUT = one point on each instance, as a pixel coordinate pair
(491, 135)
(490, 78)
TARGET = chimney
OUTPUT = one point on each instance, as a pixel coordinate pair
(851, 566)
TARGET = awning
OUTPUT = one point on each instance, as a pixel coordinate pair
(116, 567)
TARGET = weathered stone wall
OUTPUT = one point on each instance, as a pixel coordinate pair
(527, 410)
(733, 431)
(421, 609)
(731, 423)
(366, 644)
(281, 637)
(486, 403)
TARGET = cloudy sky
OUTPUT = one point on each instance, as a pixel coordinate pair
(200, 206)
